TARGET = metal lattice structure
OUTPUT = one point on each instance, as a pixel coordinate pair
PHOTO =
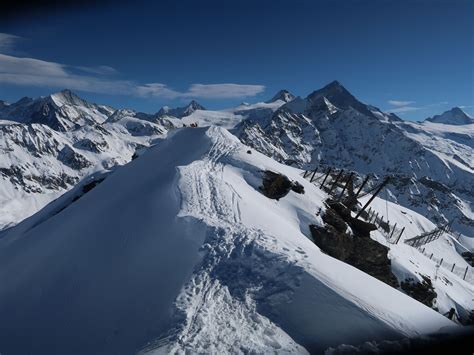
(427, 237)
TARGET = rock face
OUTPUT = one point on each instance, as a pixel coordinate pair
(71, 158)
(276, 185)
(421, 291)
(357, 249)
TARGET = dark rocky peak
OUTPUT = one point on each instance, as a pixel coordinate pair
(338, 96)
(180, 111)
(194, 105)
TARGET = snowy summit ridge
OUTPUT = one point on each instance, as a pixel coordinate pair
(283, 95)
(455, 116)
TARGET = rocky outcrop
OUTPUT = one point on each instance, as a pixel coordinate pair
(421, 291)
(356, 248)
(71, 158)
(276, 185)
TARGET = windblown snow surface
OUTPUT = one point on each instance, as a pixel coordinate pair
(179, 251)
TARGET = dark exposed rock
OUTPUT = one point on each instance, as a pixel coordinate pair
(29, 182)
(358, 249)
(435, 185)
(360, 227)
(91, 146)
(71, 158)
(277, 185)
(421, 291)
(88, 187)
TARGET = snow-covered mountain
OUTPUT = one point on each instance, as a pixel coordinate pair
(180, 251)
(455, 116)
(61, 111)
(331, 127)
(50, 143)
(180, 112)
(283, 95)
(40, 161)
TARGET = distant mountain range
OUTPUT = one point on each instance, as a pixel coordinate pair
(51, 143)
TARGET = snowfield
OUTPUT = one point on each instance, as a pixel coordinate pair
(178, 251)
(408, 262)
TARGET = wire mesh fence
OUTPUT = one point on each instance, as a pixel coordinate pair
(464, 272)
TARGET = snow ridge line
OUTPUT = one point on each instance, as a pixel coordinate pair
(217, 301)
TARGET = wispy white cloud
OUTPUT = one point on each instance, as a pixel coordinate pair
(400, 103)
(8, 42)
(101, 69)
(404, 109)
(36, 72)
(223, 90)
(407, 106)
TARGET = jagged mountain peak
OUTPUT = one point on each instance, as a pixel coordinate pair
(339, 96)
(195, 105)
(283, 95)
(61, 111)
(24, 100)
(454, 116)
(180, 111)
(66, 96)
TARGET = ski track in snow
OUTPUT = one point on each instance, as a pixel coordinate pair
(208, 301)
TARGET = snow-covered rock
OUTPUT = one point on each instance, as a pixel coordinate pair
(178, 251)
(282, 95)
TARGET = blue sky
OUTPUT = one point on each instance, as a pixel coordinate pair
(412, 57)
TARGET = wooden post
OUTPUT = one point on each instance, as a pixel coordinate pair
(431, 256)
(361, 186)
(336, 180)
(393, 230)
(373, 196)
(465, 273)
(403, 229)
(441, 262)
(324, 181)
(345, 186)
(304, 174)
(452, 269)
(314, 173)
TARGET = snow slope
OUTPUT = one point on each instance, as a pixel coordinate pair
(179, 251)
(408, 262)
